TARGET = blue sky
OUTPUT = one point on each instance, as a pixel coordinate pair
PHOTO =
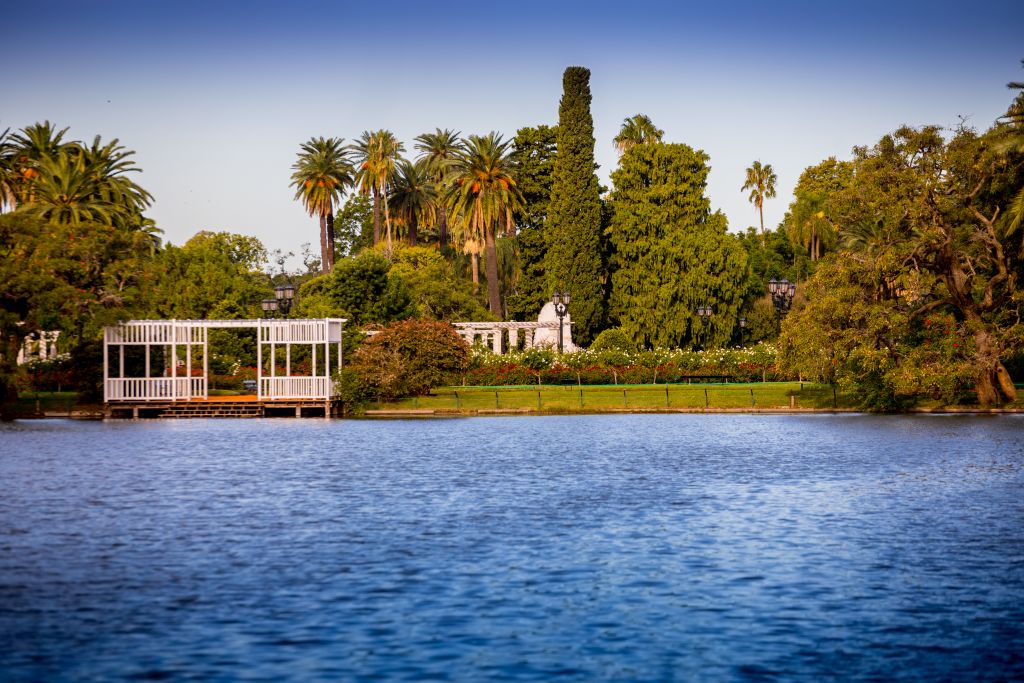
(216, 97)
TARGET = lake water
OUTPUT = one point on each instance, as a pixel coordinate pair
(630, 548)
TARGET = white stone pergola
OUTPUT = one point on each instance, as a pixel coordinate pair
(184, 340)
(504, 336)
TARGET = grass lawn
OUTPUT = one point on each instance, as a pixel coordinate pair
(605, 397)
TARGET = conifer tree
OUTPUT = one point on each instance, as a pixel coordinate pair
(573, 261)
(672, 255)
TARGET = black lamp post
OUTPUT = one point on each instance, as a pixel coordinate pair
(743, 332)
(782, 292)
(285, 294)
(705, 312)
(561, 302)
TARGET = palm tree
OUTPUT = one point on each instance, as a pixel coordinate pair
(761, 183)
(808, 225)
(64, 192)
(437, 150)
(32, 144)
(376, 156)
(7, 172)
(107, 166)
(637, 130)
(483, 195)
(413, 196)
(320, 177)
(1010, 138)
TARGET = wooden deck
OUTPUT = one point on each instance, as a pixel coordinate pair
(224, 406)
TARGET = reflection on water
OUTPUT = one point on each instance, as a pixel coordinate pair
(634, 547)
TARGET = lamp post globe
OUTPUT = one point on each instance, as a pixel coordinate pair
(284, 295)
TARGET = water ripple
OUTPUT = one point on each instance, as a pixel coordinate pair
(634, 547)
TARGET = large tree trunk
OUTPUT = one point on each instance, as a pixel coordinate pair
(387, 220)
(8, 369)
(413, 237)
(442, 229)
(330, 241)
(993, 382)
(376, 217)
(760, 211)
(493, 291)
(325, 266)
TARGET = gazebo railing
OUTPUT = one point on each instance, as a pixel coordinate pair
(155, 388)
(295, 387)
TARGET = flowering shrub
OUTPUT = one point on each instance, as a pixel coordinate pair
(618, 366)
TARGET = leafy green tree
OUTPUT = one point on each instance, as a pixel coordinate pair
(414, 197)
(482, 197)
(377, 153)
(761, 183)
(436, 290)
(213, 275)
(532, 161)
(637, 130)
(574, 246)
(437, 150)
(672, 254)
(72, 278)
(935, 245)
(320, 177)
(353, 226)
(360, 289)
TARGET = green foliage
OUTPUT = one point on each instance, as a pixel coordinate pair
(614, 338)
(812, 221)
(353, 226)
(409, 358)
(671, 254)
(924, 225)
(73, 278)
(854, 331)
(435, 289)
(533, 156)
(360, 289)
(212, 275)
(574, 239)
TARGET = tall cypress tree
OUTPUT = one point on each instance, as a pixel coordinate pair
(573, 260)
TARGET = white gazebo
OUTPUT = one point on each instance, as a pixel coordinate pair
(186, 354)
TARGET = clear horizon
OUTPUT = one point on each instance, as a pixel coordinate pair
(216, 100)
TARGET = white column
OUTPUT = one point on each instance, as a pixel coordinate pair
(106, 363)
(206, 362)
(496, 340)
(259, 360)
(327, 358)
(513, 338)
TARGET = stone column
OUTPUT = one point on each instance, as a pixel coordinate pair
(513, 338)
(496, 340)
